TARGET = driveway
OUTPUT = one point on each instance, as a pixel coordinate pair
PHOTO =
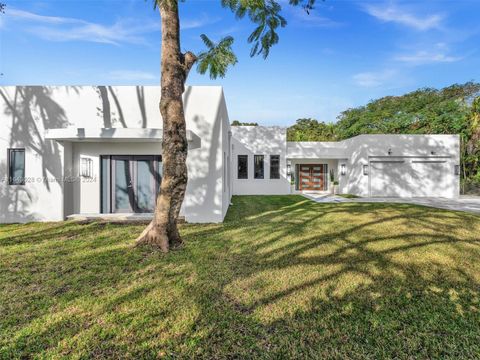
(465, 203)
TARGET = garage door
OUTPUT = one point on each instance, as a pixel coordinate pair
(408, 177)
(428, 178)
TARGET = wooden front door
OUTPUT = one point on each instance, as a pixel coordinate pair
(312, 177)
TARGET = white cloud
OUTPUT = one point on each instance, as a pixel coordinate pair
(312, 19)
(426, 57)
(26, 15)
(392, 13)
(56, 28)
(374, 79)
(132, 75)
(202, 21)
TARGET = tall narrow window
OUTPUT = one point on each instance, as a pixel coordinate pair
(274, 166)
(16, 166)
(258, 170)
(242, 166)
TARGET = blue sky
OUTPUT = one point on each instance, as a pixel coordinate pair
(343, 54)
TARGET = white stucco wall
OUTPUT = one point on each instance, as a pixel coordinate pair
(24, 115)
(316, 150)
(259, 140)
(40, 108)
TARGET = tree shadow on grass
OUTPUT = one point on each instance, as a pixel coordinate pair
(281, 278)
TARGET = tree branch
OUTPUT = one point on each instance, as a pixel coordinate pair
(189, 59)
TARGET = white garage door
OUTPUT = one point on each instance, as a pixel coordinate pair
(408, 177)
(428, 177)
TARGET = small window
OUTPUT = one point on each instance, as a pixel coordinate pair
(16, 166)
(243, 166)
(274, 166)
(258, 168)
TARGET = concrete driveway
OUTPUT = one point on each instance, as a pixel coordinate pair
(465, 203)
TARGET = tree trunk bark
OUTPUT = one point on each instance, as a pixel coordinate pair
(162, 232)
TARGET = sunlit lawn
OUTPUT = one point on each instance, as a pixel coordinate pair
(282, 277)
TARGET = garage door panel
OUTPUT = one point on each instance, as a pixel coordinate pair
(428, 178)
(388, 179)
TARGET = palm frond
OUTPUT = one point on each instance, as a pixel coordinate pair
(218, 57)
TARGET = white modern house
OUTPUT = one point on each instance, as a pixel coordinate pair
(93, 150)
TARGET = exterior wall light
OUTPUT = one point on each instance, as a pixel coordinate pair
(86, 167)
(457, 169)
(343, 169)
(365, 169)
(289, 169)
(389, 151)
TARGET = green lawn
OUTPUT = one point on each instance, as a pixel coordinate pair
(282, 277)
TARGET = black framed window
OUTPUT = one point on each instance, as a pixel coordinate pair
(242, 166)
(274, 166)
(258, 168)
(16, 166)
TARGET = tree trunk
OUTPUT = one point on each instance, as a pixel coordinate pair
(162, 232)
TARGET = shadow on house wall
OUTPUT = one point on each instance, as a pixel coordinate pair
(28, 111)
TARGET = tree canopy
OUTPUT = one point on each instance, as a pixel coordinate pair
(239, 123)
(311, 130)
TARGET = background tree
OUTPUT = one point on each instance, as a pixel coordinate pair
(162, 232)
(238, 123)
(424, 111)
(311, 130)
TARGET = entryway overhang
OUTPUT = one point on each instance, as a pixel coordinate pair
(297, 150)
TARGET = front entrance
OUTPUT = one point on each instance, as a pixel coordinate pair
(130, 183)
(313, 177)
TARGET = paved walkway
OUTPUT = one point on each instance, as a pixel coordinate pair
(463, 203)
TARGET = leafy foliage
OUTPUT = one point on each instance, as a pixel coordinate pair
(217, 58)
(238, 123)
(2, 8)
(424, 111)
(266, 15)
(311, 130)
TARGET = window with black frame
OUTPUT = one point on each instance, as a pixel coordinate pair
(274, 166)
(258, 168)
(242, 167)
(16, 166)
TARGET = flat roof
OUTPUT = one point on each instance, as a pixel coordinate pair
(74, 134)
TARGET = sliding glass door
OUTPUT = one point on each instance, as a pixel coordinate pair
(130, 183)
(122, 185)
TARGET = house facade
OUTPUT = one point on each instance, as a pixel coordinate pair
(89, 150)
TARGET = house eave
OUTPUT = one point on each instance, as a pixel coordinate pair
(109, 135)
